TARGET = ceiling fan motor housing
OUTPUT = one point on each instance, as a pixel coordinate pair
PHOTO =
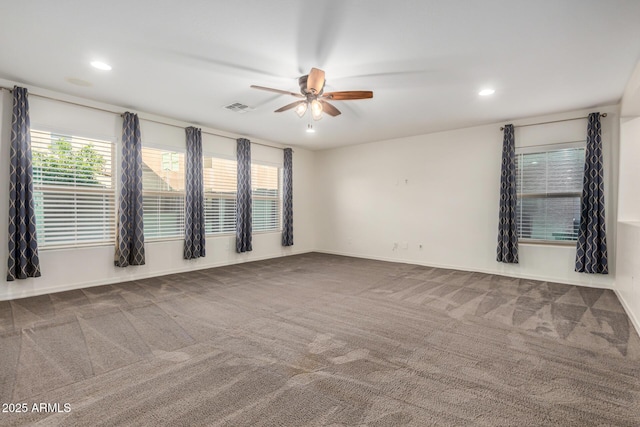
(302, 81)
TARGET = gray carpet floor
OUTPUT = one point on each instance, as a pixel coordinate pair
(317, 339)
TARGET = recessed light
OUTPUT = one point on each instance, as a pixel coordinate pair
(101, 65)
(486, 92)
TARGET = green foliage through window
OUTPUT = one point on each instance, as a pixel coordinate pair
(74, 190)
(64, 164)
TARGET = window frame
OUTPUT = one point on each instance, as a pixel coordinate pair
(220, 195)
(278, 198)
(111, 191)
(159, 193)
(540, 149)
(254, 196)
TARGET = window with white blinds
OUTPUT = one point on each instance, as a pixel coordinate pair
(163, 193)
(266, 194)
(220, 185)
(74, 190)
(549, 186)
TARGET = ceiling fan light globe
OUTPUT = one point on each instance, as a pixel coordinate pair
(301, 109)
(316, 109)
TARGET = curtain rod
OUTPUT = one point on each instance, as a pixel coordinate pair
(554, 121)
(208, 133)
(178, 126)
(62, 100)
(147, 120)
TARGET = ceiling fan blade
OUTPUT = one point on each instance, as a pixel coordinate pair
(329, 109)
(290, 106)
(283, 92)
(315, 81)
(349, 94)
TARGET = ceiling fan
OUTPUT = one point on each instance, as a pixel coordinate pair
(313, 95)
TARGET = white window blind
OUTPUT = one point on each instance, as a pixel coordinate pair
(163, 193)
(220, 187)
(74, 190)
(265, 186)
(549, 186)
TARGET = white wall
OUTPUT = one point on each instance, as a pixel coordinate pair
(65, 269)
(441, 191)
(628, 270)
(438, 190)
(628, 261)
(629, 202)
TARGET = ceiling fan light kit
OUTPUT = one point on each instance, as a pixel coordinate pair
(312, 92)
(301, 109)
(316, 109)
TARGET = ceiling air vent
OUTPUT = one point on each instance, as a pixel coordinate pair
(238, 107)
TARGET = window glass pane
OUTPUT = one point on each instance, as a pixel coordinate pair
(558, 171)
(549, 186)
(219, 215)
(74, 190)
(265, 184)
(160, 172)
(71, 161)
(220, 186)
(265, 214)
(163, 215)
(163, 193)
(548, 218)
(565, 170)
(264, 180)
(220, 175)
(220, 183)
(532, 173)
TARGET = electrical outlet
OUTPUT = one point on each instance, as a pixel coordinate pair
(420, 246)
(395, 247)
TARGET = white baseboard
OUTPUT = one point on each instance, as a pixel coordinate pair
(112, 280)
(463, 268)
(627, 308)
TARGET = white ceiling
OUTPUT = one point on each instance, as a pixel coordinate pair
(425, 60)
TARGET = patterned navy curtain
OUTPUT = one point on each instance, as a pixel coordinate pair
(130, 231)
(287, 198)
(194, 241)
(243, 198)
(23, 243)
(591, 248)
(507, 226)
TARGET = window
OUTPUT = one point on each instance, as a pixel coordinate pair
(549, 186)
(164, 189)
(74, 190)
(163, 193)
(220, 188)
(265, 185)
(220, 184)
